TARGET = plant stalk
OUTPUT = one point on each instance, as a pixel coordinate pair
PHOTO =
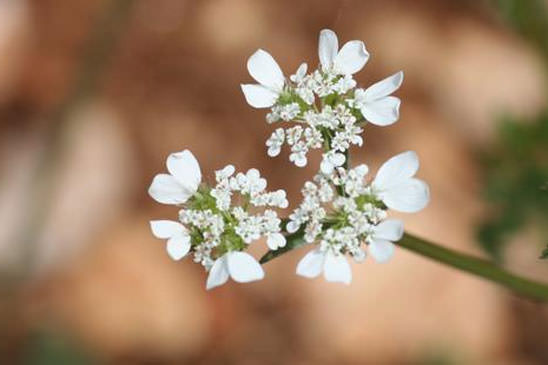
(464, 262)
(475, 266)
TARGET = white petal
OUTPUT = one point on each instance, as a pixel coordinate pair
(326, 166)
(351, 58)
(381, 250)
(185, 168)
(166, 189)
(361, 169)
(384, 87)
(301, 71)
(410, 196)
(166, 229)
(178, 246)
(227, 171)
(259, 96)
(337, 269)
(397, 169)
(292, 227)
(218, 274)
(382, 112)
(243, 267)
(311, 265)
(338, 159)
(275, 241)
(390, 229)
(274, 151)
(265, 70)
(327, 48)
(301, 161)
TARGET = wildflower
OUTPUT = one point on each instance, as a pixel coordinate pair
(264, 69)
(381, 238)
(178, 243)
(396, 186)
(240, 266)
(182, 181)
(376, 104)
(326, 105)
(354, 221)
(334, 266)
(331, 159)
(347, 61)
(210, 227)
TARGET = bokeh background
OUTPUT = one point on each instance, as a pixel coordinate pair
(95, 94)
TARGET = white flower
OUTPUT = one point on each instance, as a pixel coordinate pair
(376, 104)
(288, 112)
(275, 241)
(300, 74)
(298, 154)
(224, 173)
(178, 243)
(240, 266)
(264, 69)
(182, 182)
(330, 161)
(396, 186)
(335, 267)
(347, 61)
(381, 237)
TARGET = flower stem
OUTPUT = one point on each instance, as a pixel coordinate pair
(472, 265)
(476, 266)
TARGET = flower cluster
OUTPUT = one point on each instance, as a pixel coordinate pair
(342, 211)
(209, 226)
(355, 218)
(327, 108)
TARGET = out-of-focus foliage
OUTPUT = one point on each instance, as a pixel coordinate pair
(516, 177)
(544, 254)
(529, 18)
(517, 168)
(47, 348)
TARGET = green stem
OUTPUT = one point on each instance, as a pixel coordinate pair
(476, 266)
(467, 263)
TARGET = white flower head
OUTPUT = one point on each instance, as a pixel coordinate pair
(330, 161)
(265, 70)
(397, 187)
(347, 61)
(182, 181)
(357, 215)
(210, 227)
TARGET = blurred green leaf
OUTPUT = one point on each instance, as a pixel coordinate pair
(48, 347)
(544, 254)
(529, 18)
(516, 172)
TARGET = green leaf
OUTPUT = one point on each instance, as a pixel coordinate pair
(516, 172)
(544, 254)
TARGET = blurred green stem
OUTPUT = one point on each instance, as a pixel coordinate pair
(470, 264)
(476, 266)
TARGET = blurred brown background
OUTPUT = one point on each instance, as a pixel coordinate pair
(95, 94)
